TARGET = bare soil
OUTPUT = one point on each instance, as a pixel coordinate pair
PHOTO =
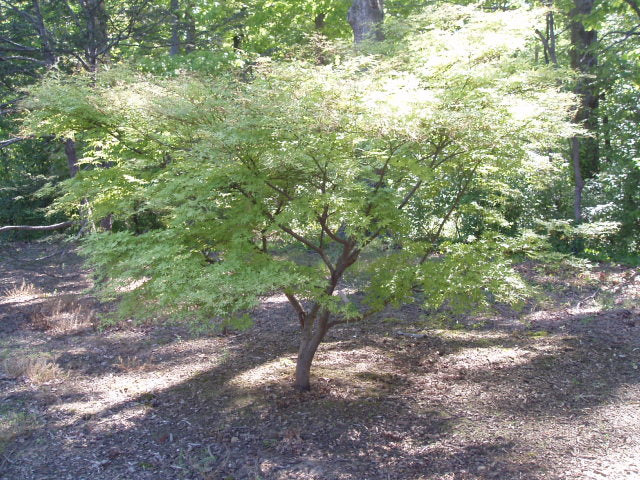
(550, 392)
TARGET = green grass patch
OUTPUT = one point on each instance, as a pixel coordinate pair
(14, 424)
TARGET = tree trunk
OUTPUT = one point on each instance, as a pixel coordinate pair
(72, 157)
(584, 151)
(190, 31)
(311, 338)
(551, 36)
(365, 18)
(319, 21)
(175, 28)
(579, 181)
(98, 40)
(303, 366)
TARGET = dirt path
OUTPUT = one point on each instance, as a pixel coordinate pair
(552, 392)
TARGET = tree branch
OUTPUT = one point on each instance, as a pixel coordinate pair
(311, 245)
(410, 194)
(38, 228)
(19, 46)
(453, 206)
(11, 141)
(284, 228)
(20, 57)
(302, 315)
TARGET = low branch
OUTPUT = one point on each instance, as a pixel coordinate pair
(302, 315)
(23, 58)
(547, 47)
(11, 141)
(37, 228)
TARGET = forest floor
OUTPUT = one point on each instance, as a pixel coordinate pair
(550, 392)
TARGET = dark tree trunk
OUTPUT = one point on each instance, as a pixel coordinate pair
(175, 28)
(579, 181)
(72, 156)
(107, 223)
(549, 37)
(190, 30)
(365, 18)
(319, 21)
(97, 38)
(237, 41)
(584, 150)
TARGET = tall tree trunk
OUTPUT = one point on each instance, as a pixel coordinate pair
(97, 37)
(365, 18)
(551, 36)
(584, 150)
(175, 28)
(72, 156)
(190, 31)
(549, 40)
(579, 181)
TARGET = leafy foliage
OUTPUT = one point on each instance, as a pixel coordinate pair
(338, 158)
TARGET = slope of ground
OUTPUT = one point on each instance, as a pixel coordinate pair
(552, 392)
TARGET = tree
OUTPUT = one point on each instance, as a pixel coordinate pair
(584, 151)
(365, 18)
(37, 37)
(286, 182)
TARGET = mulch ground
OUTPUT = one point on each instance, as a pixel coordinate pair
(549, 392)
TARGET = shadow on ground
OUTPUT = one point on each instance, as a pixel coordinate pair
(485, 403)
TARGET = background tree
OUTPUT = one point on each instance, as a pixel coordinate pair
(365, 18)
(584, 151)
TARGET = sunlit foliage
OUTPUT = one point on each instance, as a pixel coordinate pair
(209, 179)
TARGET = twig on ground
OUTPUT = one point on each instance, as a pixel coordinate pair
(412, 335)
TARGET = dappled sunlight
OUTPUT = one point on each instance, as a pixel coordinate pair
(20, 293)
(131, 285)
(275, 299)
(488, 398)
(362, 359)
(143, 376)
(271, 372)
(368, 367)
(491, 357)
